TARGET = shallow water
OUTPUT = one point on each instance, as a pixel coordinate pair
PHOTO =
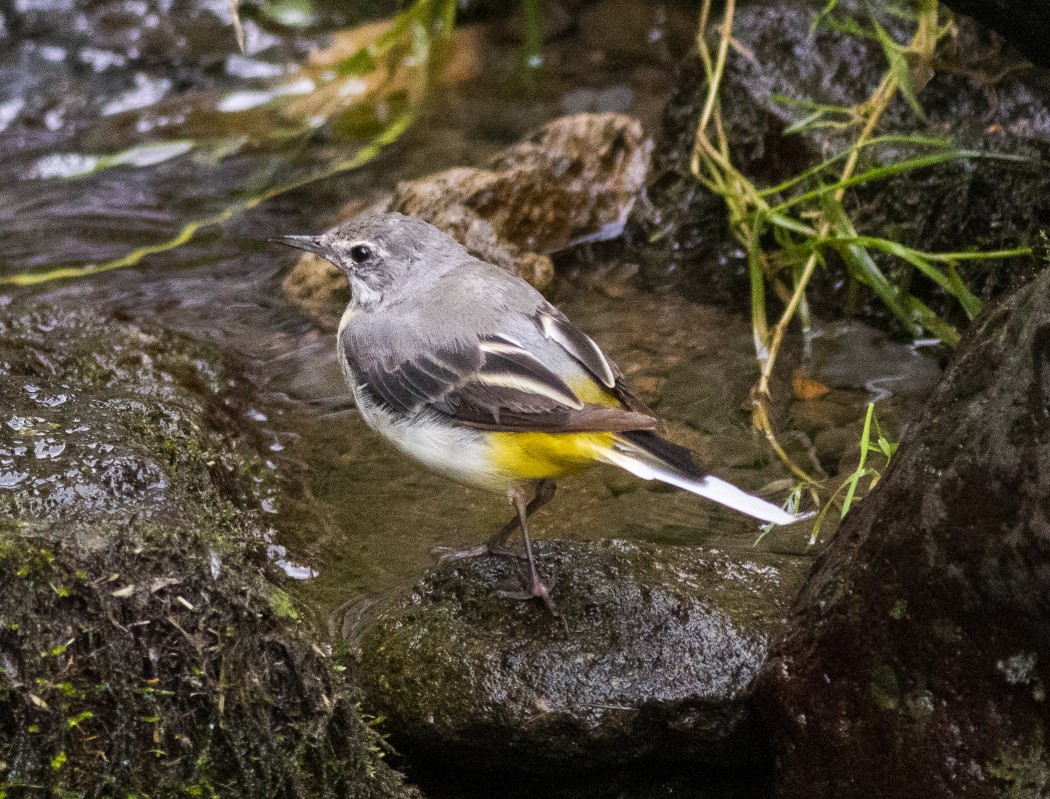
(356, 513)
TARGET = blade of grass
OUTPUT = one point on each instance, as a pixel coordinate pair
(949, 281)
(854, 478)
(888, 170)
(862, 266)
(921, 141)
(899, 66)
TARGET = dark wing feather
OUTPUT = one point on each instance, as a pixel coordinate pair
(494, 385)
(556, 326)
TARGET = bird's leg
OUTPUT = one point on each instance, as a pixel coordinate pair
(536, 587)
(497, 545)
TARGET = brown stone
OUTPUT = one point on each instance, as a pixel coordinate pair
(573, 180)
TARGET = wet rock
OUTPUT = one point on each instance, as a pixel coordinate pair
(146, 646)
(980, 97)
(573, 179)
(1023, 23)
(917, 657)
(650, 661)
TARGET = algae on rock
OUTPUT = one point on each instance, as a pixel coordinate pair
(145, 644)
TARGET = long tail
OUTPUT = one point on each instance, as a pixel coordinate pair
(650, 457)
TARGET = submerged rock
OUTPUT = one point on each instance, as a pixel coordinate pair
(649, 662)
(917, 658)
(978, 96)
(576, 178)
(146, 647)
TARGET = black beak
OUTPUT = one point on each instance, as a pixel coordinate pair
(308, 243)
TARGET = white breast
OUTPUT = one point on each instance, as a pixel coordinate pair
(460, 453)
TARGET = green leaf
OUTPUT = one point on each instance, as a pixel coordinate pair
(789, 223)
(896, 168)
(920, 141)
(899, 67)
(950, 280)
(820, 18)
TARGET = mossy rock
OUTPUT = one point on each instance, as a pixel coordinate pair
(146, 647)
(649, 662)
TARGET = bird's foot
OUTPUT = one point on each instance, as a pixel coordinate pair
(536, 589)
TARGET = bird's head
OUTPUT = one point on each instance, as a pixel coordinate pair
(383, 256)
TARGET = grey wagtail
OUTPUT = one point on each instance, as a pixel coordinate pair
(468, 369)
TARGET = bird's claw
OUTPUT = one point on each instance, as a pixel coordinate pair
(536, 590)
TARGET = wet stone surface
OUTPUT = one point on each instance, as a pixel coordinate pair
(915, 659)
(146, 646)
(1024, 23)
(649, 661)
(109, 429)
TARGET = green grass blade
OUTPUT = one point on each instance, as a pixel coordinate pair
(859, 472)
(808, 122)
(862, 265)
(825, 12)
(949, 281)
(888, 170)
(792, 224)
(920, 141)
(898, 67)
(810, 105)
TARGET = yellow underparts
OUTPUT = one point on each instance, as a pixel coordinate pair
(534, 456)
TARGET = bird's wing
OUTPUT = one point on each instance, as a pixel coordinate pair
(495, 382)
(555, 326)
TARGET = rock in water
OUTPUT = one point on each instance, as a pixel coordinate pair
(917, 658)
(146, 647)
(657, 647)
(575, 178)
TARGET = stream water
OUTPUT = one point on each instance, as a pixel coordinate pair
(359, 521)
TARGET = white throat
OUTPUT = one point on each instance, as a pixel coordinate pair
(363, 295)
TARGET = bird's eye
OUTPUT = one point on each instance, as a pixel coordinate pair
(360, 253)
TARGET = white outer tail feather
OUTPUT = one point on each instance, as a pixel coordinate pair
(647, 468)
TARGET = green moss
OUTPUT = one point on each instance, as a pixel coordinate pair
(281, 604)
(1023, 771)
(885, 688)
(145, 622)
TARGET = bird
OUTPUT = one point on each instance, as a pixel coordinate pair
(468, 369)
